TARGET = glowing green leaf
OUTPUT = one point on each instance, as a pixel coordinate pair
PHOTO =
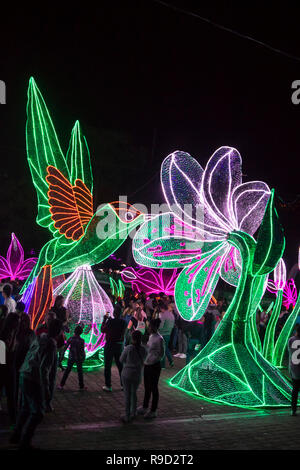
(270, 241)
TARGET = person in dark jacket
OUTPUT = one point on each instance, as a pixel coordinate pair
(43, 327)
(3, 315)
(60, 310)
(20, 308)
(114, 329)
(75, 344)
(37, 377)
(62, 315)
(194, 332)
(25, 336)
(7, 371)
(209, 322)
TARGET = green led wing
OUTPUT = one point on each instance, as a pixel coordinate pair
(78, 158)
(43, 149)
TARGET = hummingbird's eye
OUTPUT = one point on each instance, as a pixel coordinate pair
(129, 216)
(125, 211)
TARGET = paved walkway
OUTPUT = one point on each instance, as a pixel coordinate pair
(90, 420)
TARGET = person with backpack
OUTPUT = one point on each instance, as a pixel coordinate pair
(37, 377)
(76, 356)
(132, 358)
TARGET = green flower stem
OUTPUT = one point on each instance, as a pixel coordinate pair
(229, 369)
(258, 287)
(269, 340)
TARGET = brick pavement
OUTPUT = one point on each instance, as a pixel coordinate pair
(90, 420)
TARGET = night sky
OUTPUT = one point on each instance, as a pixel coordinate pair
(145, 80)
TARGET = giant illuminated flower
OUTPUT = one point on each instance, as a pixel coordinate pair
(14, 266)
(205, 206)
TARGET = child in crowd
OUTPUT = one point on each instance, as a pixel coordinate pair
(76, 356)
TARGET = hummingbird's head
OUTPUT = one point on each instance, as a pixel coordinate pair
(127, 213)
(111, 225)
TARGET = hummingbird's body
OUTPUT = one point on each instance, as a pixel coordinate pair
(65, 202)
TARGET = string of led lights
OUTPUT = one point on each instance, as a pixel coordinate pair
(228, 30)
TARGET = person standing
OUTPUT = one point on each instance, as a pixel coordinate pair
(61, 314)
(209, 322)
(3, 315)
(60, 310)
(8, 300)
(152, 370)
(137, 321)
(166, 326)
(20, 308)
(7, 371)
(132, 359)
(195, 333)
(182, 337)
(294, 367)
(127, 314)
(76, 356)
(114, 329)
(37, 376)
(25, 336)
(149, 306)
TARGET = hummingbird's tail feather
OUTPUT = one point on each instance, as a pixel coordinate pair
(41, 298)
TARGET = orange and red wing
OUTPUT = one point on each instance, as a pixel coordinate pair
(71, 207)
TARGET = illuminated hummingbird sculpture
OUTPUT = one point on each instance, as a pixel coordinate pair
(64, 186)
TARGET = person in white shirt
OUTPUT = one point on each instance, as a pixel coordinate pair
(8, 300)
(165, 330)
(152, 369)
(132, 358)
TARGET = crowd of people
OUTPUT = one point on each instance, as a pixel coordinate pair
(142, 337)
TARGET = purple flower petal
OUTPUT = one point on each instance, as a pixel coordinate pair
(249, 202)
(222, 175)
(15, 255)
(181, 178)
(26, 268)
